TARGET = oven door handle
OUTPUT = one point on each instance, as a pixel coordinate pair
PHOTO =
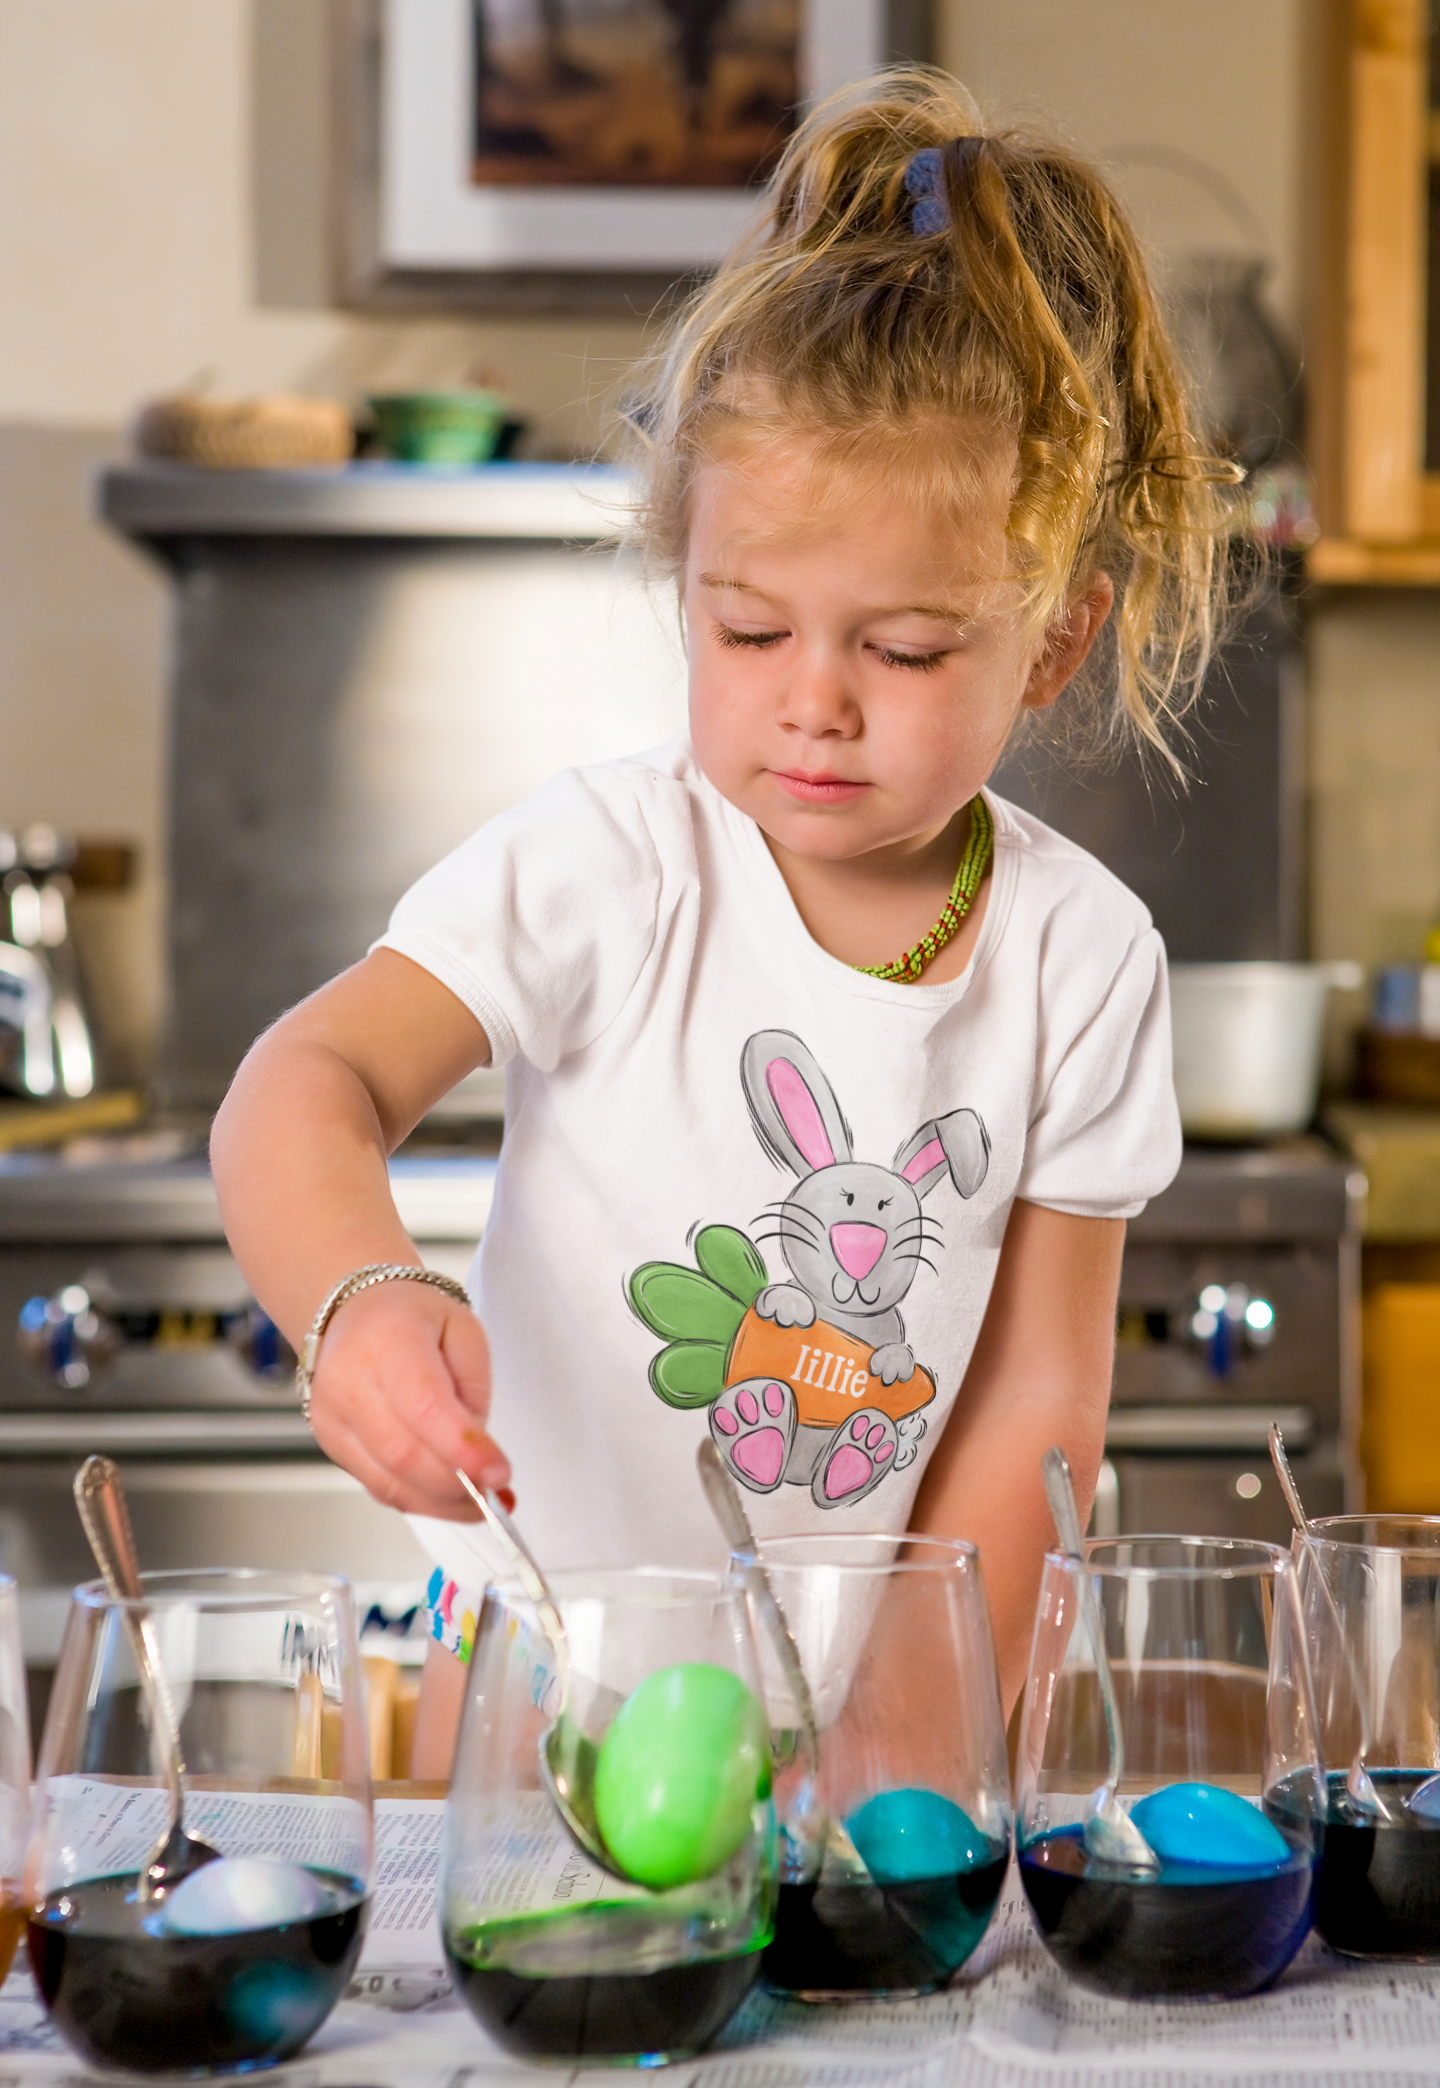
(188, 1433)
(1208, 1430)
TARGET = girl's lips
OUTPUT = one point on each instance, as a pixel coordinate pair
(818, 790)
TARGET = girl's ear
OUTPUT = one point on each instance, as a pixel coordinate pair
(1068, 642)
(792, 1105)
(957, 1144)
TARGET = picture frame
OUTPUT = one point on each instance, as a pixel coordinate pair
(415, 231)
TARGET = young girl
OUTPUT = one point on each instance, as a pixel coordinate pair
(830, 1081)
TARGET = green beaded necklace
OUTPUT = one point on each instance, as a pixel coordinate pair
(973, 865)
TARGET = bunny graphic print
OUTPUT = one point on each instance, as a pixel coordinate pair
(747, 1193)
(811, 1381)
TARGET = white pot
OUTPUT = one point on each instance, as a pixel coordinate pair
(1248, 1042)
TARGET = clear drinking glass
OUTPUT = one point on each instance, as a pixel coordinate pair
(555, 1957)
(237, 1965)
(892, 1858)
(1221, 1768)
(14, 1774)
(1374, 1634)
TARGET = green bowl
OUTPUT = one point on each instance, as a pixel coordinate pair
(439, 427)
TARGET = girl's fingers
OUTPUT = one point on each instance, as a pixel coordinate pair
(467, 1357)
(414, 1459)
(390, 1404)
(450, 1505)
(411, 1458)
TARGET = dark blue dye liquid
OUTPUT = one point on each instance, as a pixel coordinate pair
(123, 1997)
(1193, 1931)
(667, 2014)
(1379, 1890)
(902, 1938)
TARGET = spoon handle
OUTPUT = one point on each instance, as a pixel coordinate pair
(531, 1579)
(1291, 1491)
(1060, 1493)
(729, 1510)
(105, 1518)
(1280, 1459)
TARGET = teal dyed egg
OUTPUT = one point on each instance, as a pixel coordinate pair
(678, 1773)
(900, 1835)
(1205, 1824)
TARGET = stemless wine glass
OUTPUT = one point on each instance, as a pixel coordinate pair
(557, 1958)
(1374, 1627)
(14, 1773)
(1221, 1767)
(892, 1862)
(237, 1964)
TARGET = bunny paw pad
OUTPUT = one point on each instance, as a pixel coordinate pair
(753, 1424)
(861, 1452)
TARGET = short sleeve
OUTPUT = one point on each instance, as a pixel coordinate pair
(1105, 1133)
(542, 921)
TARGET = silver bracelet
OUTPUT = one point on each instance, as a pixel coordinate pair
(350, 1287)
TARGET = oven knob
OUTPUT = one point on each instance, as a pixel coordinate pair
(1227, 1321)
(66, 1336)
(259, 1343)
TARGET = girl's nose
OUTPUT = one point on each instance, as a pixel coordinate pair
(817, 698)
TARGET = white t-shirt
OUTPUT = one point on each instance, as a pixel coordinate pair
(746, 1189)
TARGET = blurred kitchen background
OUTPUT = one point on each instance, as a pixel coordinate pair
(221, 691)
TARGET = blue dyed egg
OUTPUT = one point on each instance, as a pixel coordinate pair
(1205, 1824)
(901, 1835)
(241, 1892)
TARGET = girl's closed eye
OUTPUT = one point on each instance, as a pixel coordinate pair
(888, 655)
(726, 634)
(922, 662)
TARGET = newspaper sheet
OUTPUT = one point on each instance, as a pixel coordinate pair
(1010, 2020)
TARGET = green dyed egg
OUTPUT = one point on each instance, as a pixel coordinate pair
(678, 1773)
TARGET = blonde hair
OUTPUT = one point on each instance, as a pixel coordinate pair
(1017, 296)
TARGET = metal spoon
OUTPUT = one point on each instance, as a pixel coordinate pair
(1359, 1787)
(567, 1755)
(100, 1498)
(1111, 1836)
(729, 1510)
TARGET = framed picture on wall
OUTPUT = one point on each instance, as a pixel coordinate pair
(574, 155)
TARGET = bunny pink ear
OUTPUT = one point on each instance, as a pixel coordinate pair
(957, 1145)
(792, 1105)
(929, 1156)
(799, 1113)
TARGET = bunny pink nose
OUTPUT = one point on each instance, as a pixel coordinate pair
(858, 1248)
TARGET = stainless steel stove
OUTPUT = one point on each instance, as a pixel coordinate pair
(134, 1333)
(1238, 1306)
(131, 1331)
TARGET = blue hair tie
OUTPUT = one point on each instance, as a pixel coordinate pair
(925, 182)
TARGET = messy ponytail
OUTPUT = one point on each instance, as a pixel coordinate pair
(993, 278)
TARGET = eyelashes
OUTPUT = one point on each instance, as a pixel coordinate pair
(920, 663)
(762, 641)
(755, 641)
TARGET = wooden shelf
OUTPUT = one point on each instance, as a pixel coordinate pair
(1341, 562)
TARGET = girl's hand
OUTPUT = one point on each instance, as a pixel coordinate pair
(400, 1398)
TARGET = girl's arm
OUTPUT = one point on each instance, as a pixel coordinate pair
(402, 1390)
(1040, 1374)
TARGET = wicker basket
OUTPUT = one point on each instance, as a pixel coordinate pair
(275, 434)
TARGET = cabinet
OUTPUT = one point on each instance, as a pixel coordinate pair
(1376, 326)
